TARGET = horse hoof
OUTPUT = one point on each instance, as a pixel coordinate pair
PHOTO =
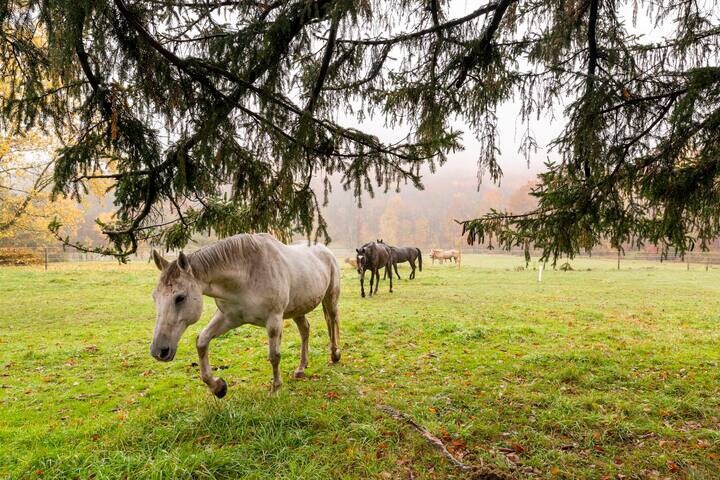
(222, 391)
(299, 374)
(335, 356)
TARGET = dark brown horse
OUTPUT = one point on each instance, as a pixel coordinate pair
(404, 254)
(373, 256)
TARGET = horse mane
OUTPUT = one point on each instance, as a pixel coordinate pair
(221, 255)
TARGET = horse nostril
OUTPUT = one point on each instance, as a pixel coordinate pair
(164, 353)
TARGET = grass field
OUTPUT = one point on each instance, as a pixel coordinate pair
(590, 374)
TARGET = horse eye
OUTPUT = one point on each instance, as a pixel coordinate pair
(179, 299)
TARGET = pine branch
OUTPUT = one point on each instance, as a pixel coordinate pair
(421, 33)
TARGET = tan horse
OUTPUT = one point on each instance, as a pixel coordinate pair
(351, 261)
(442, 255)
(254, 279)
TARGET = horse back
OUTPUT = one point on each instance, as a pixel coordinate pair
(302, 274)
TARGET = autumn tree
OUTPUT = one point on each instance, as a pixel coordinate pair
(394, 225)
(26, 209)
(521, 199)
(215, 115)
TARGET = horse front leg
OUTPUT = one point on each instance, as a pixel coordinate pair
(372, 278)
(217, 326)
(362, 284)
(274, 327)
(389, 269)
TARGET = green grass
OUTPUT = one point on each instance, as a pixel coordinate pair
(590, 374)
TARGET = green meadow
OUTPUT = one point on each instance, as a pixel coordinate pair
(592, 374)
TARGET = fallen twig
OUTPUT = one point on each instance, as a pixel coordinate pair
(474, 472)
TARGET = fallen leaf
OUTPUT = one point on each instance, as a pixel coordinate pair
(380, 452)
(332, 395)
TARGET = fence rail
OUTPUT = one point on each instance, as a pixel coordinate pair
(43, 255)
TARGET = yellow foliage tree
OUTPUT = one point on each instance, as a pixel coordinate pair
(25, 177)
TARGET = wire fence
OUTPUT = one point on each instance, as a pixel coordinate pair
(50, 254)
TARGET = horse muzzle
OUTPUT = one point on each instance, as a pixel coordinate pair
(163, 354)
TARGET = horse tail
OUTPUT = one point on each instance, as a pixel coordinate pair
(419, 258)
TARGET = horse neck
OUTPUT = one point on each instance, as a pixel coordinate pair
(217, 280)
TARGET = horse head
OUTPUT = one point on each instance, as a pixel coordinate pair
(360, 259)
(178, 304)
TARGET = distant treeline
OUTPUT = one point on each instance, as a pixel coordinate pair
(423, 218)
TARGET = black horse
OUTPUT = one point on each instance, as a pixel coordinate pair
(404, 254)
(373, 256)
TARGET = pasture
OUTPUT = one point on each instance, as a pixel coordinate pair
(591, 374)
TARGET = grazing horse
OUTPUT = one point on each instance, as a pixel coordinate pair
(254, 279)
(405, 254)
(373, 256)
(442, 255)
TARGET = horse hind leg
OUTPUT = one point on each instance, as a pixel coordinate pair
(332, 318)
(304, 329)
(412, 269)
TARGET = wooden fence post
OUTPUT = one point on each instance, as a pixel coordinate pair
(46, 258)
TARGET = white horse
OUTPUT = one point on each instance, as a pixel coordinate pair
(254, 279)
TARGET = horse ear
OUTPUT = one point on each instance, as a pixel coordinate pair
(183, 263)
(357, 250)
(160, 262)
